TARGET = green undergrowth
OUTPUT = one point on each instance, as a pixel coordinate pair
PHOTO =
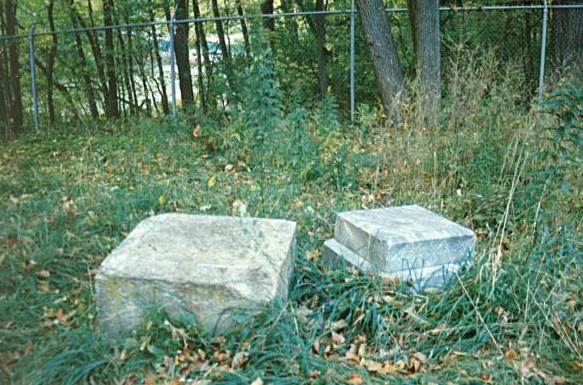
(68, 196)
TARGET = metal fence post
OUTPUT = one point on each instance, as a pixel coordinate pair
(543, 49)
(352, 62)
(172, 62)
(33, 75)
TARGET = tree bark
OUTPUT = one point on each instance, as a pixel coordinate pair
(4, 94)
(320, 27)
(51, 62)
(223, 43)
(89, 93)
(93, 43)
(199, 28)
(163, 94)
(125, 72)
(425, 16)
(381, 48)
(15, 99)
(203, 60)
(130, 57)
(567, 40)
(267, 8)
(181, 50)
(111, 106)
(200, 75)
(244, 30)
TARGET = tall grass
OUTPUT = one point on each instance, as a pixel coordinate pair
(67, 197)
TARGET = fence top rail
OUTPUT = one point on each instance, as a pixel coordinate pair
(278, 15)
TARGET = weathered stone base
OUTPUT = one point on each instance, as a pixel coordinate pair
(198, 268)
(408, 242)
(335, 255)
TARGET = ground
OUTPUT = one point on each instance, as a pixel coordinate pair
(68, 196)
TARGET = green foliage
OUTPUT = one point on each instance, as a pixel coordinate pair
(67, 197)
(565, 103)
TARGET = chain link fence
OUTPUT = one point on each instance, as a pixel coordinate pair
(62, 66)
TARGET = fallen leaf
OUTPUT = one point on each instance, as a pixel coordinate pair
(201, 355)
(352, 353)
(327, 350)
(44, 274)
(338, 325)
(222, 357)
(28, 348)
(44, 287)
(196, 131)
(150, 380)
(510, 355)
(420, 357)
(371, 365)
(239, 360)
(239, 208)
(69, 206)
(162, 199)
(311, 255)
(486, 377)
(145, 170)
(355, 379)
(338, 338)
(212, 181)
(61, 316)
(316, 347)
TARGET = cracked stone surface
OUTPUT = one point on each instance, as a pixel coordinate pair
(195, 267)
(408, 242)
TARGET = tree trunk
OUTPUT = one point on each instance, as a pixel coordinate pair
(244, 30)
(125, 72)
(15, 100)
(83, 65)
(93, 43)
(223, 43)
(130, 57)
(267, 8)
(199, 28)
(291, 23)
(426, 32)
(567, 40)
(4, 96)
(320, 27)
(163, 94)
(181, 50)
(387, 69)
(200, 75)
(202, 59)
(111, 107)
(51, 62)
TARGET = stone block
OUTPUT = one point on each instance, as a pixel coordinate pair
(408, 242)
(194, 267)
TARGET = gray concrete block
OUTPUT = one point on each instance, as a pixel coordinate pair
(195, 267)
(336, 256)
(408, 242)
